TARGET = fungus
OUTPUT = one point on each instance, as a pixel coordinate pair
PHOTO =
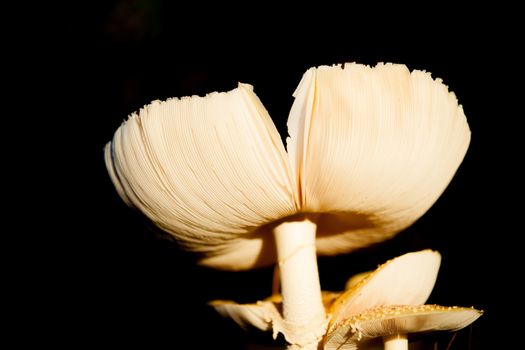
(388, 303)
(393, 323)
(370, 149)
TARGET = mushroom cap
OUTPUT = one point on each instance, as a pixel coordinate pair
(210, 171)
(398, 319)
(370, 150)
(265, 315)
(405, 280)
(373, 148)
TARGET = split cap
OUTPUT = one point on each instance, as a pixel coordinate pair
(370, 149)
(388, 303)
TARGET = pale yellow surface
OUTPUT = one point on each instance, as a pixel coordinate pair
(405, 280)
(400, 319)
(370, 150)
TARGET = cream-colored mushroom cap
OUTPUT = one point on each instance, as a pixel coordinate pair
(370, 149)
(385, 321)
(405, 280)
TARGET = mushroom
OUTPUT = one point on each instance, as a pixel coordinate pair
(388, 302)
(370, 149)
(394, 322)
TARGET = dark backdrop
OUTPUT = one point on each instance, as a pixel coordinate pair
(121, 285)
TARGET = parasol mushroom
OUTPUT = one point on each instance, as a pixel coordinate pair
(393, 323)
(388, 303)
(369, 151)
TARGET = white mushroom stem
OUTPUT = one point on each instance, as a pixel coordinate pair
(396, 342)
(303, 309)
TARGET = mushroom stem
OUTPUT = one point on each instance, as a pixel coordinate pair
(396, 342)
(303, 310)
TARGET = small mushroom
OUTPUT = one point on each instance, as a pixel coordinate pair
(388, 303)
(369, 151)
(405, 280)
(394, 322)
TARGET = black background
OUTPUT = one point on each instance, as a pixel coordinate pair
(112, 281)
